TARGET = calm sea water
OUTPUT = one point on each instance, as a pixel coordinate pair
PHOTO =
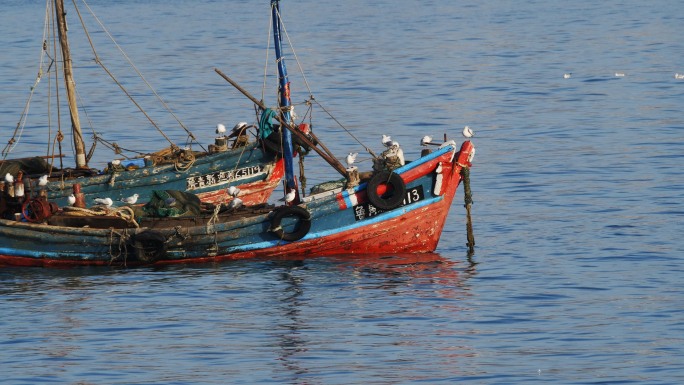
(578, 188)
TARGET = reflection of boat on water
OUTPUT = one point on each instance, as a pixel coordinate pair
(367, 298)
(398, 207)
(234, 159)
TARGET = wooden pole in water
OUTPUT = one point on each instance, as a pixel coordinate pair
(468, 198)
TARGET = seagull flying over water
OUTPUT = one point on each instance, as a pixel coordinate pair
(619, 74)
(72, 199)
(567, 76)
(104, 201)
(131, 199)
(679, 76)
(9, 178)
(467, 132)
(426, 140)
(351, 158)
(386, 140)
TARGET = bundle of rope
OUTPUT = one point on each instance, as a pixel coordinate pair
(126, 213)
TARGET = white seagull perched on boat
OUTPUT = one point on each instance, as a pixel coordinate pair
(233, 191)
(351, 158)
(220, 129)
(107, 202)
(467, 132)
(290, 196)
(131, 199)
(427, 139)
(43, 180)
(386, 140)
(235, 203)
(72, 199)
(9, 178)
(398, 152)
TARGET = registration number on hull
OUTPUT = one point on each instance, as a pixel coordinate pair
(222, 177)
(367, 210)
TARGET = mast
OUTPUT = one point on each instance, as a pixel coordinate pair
(285, 103)
(79, 145)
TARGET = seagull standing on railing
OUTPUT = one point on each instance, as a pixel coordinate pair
(220, 129)
(107, 202)
(351, 158)
(290, 196)
(235, 203)
(131, 199)
(398, 152)
(426, 140)
(386, 140)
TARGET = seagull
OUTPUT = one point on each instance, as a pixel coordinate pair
(43, 180)
(351, 158)
(619, 74)
(426, 140)
(235, 203)
(104, 201)
(220, 129)
(233, 191)
(400, 153)
(9, 178)
(72, 199)
(567, 76)
(290, 196)
(131, 199)
(679, 76)
(467, 132)
(386, 140)
(116, 162)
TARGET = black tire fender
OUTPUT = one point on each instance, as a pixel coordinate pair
(149, 246)
(273, 143)
(301, 228)
(396, 190)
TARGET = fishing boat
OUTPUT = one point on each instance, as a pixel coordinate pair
(398, 207)
(236, 158)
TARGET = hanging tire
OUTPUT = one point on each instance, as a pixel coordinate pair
(273, 143)
(301, 228)
(149, 246)
(395, 190)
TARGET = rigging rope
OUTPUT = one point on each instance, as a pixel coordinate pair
(311, 96)
(111, 75)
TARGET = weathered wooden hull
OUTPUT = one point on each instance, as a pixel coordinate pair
(255, 171)
(341, 222)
